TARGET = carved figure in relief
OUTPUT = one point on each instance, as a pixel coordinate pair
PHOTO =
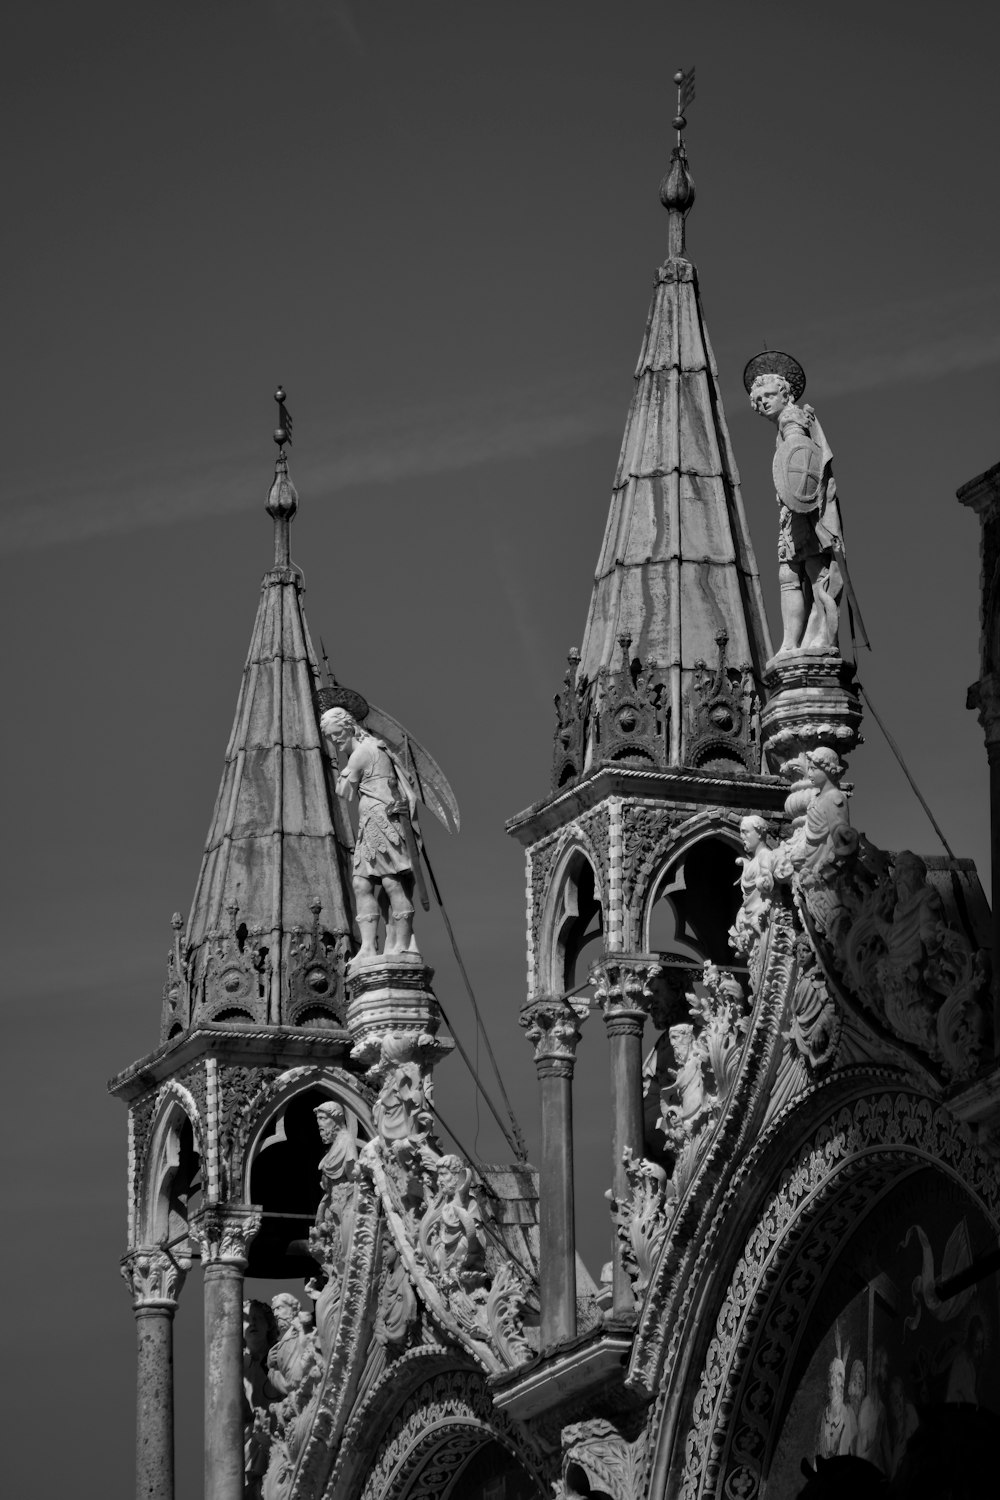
(687, 1087)
(402, 1111)
(451, 1232)
(338, 1170)
(397, 1306)
(756, 883)
(291, 1359)
(837, 1431)
(826, 839)
(810, 533)
(260, 1333)
(293, 1372)
(386, 854)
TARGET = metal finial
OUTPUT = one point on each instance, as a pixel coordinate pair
(283, 431)
(685, 97)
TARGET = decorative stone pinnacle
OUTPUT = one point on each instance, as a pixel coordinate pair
(677, 187)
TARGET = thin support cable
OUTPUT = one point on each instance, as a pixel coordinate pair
(905, 769)
(517, 1144)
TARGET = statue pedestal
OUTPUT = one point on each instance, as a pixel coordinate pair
(392, 994)
(812, 700)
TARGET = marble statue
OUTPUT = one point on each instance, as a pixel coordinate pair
(385, 852)
(260, 1333)
(338, 1170)
(451, 1233)
(837, 1429)
(811, 573)
(688, 1085)
(825, 838)
(756, 883)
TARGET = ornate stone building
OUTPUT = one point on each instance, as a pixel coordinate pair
(802, 1173)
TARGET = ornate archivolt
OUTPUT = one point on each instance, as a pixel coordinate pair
(863, 1146)
(417, 1428)
(154, 1158)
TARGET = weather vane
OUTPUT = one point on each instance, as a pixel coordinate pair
(283, 431)
(685, 97)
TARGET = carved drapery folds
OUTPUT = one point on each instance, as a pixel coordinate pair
(707, 1050)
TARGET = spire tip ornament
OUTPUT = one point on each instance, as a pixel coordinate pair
(677, 187)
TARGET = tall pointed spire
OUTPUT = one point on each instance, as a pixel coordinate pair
(270, 921)
(676, 636)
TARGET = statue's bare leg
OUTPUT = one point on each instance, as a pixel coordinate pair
(366, 904)
(793, 607)
(399, 925)
(824, 617)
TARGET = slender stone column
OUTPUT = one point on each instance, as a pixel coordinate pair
(224, 1232)
(553, 1028)
(623, 988)
(984, 695)
(154, 1277)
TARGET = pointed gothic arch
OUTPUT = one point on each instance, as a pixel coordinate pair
(694, 870)
(169, 1174)
(766, 1293)
(572, 914)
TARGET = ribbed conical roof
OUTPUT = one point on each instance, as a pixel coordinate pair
(274, 873)
(677, 571)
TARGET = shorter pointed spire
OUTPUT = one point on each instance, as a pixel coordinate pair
(282, 499)
(677, 187)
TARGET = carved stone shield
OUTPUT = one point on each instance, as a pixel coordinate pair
(798, 473)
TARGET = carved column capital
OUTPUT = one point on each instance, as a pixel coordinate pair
(224, 1231)
(552, 1026)
(626, 988)
(984, 697)
(154, 1277)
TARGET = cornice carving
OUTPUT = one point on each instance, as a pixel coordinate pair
(224, 1231)
(154, 1278)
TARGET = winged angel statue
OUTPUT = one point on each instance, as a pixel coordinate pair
(388, 773)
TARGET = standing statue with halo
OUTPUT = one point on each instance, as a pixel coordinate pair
(812, 569)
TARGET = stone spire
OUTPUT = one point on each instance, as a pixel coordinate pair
(676, 636)
(269, 925)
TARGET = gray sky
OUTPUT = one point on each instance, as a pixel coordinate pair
(438, 225)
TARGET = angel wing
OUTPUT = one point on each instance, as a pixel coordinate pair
(425, 775)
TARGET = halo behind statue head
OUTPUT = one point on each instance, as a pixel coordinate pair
(343, 697)
(773, 362)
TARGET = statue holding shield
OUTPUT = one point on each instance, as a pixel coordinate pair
(811, 564)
